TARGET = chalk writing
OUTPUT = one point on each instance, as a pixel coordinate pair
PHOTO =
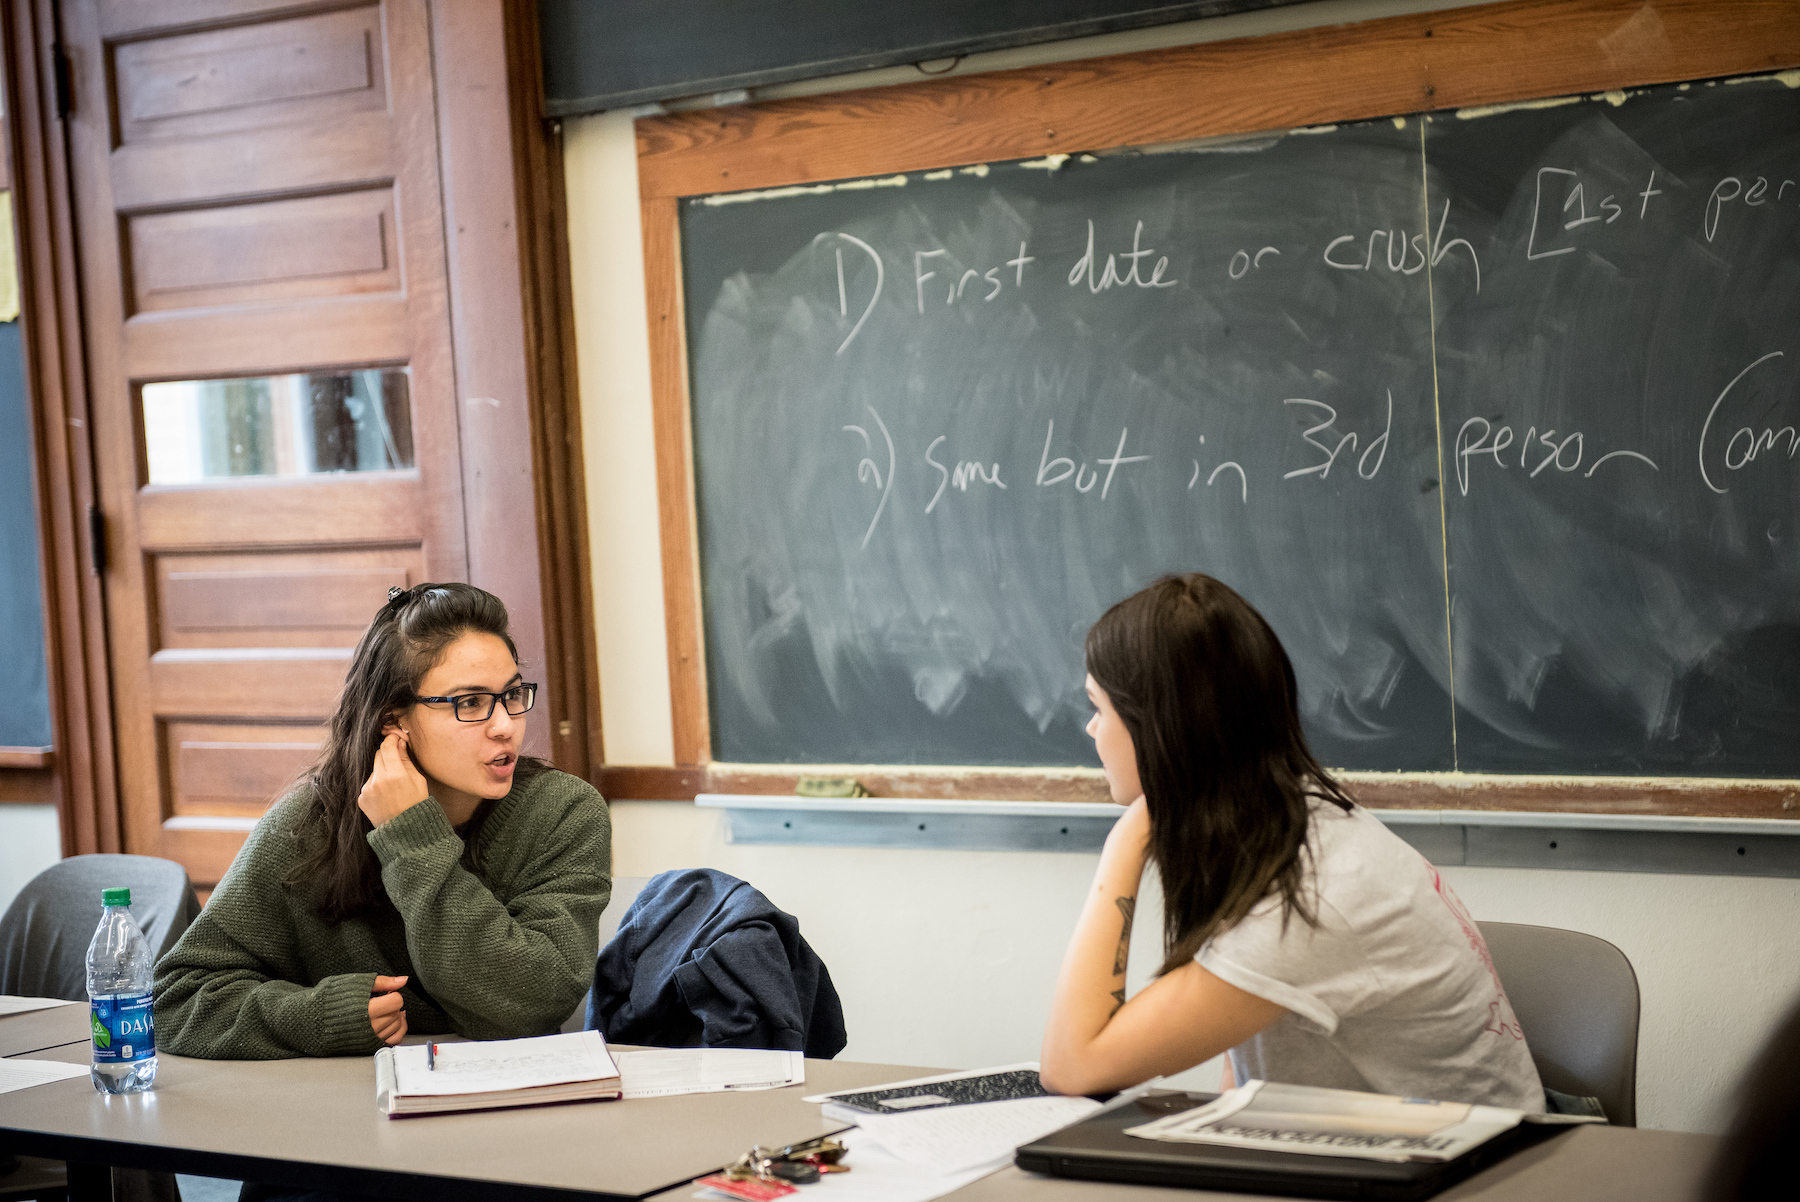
(1377, 446)
(966, 472)
(1063, 467)
(1243, 262)
(1564, 452)
(987, 284)
(843, 296)
(1573, 213)
(1732, 189)
(1085, 267)
(867, 471)
(1746, 444)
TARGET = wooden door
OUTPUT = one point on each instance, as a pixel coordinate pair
(264, 267)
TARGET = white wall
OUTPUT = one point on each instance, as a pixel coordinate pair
(946, 958)
(30, 841)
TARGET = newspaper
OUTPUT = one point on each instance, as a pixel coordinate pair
(1334, 1122)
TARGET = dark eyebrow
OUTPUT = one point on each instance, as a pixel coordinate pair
(517, 678)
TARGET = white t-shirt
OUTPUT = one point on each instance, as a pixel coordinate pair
(1393, 992)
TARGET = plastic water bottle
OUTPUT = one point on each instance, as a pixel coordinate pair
(119, 969)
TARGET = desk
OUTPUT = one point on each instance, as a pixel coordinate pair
(35, 1030)
(313, 1123)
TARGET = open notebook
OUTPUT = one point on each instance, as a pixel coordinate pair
(504, 1072)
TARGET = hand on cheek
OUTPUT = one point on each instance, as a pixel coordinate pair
(395, 785)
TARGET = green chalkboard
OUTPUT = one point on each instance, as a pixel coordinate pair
(1491, 414)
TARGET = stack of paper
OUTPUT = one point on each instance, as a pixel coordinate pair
(11, 1004)
(928, 1142)
(23, 1074)
(661, 1072)
(978, 1138)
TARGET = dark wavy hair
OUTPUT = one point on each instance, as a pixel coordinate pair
(1207, 694)
(402, 644)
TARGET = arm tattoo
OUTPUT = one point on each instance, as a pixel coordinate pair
(1128, 908)
(1118, 997)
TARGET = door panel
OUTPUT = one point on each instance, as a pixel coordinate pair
(230, 342)
(268, 250)
(358, 148)
(383, 509)
(232, 769)
(276, 608)
(252, 76)
(275, 599)
(264, 263)
(259, 682)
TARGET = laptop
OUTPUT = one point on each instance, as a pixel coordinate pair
(1097, 1149)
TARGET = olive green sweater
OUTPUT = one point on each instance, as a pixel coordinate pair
(261, 975)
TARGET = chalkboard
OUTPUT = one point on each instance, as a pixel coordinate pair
(24, 670)
(1491, 414)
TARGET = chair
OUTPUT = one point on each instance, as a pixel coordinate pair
(1576, 998)
(702, 959)
(45, 933)
(44, 937)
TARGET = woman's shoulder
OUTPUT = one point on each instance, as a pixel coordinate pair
(274, 848)
(1355, 833)
(1360, 867)
(552, 798)
(553, 786)
(277, 834)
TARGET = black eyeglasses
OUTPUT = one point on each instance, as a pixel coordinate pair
(479, 707)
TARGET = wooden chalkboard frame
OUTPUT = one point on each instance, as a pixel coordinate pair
(1488, 54)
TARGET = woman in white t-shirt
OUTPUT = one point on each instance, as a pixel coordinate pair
(1301, 935)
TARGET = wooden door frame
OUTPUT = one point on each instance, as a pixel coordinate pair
(81, 778)
(504, 206)
(510, 300)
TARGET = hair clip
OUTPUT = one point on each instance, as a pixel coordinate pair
(397, 597)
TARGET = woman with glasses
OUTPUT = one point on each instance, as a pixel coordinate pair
(423, 876)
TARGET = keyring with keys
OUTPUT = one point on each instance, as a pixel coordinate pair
(795, 1164)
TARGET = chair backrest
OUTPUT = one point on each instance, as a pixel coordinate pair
(45, 933)
(1576, 998)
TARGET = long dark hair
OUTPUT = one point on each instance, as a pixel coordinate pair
(401, 645)
(1208, 696)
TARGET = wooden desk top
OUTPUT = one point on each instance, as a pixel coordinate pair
(35, 1030)
(313, 1124)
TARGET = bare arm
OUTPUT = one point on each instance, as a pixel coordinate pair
(1097, 1041)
